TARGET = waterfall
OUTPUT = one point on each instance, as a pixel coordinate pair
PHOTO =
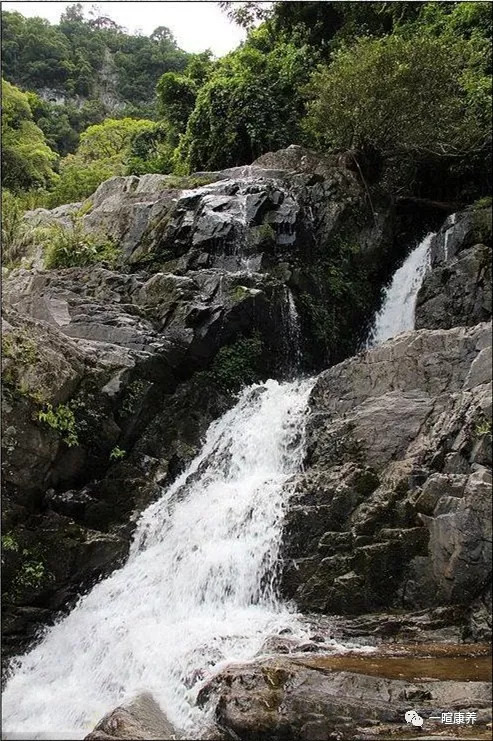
(197, 590)
(292, 340)
(399, 304)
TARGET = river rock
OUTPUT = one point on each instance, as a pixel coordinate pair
(142, 718)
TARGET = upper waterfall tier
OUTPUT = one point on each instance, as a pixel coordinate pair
(397, 312)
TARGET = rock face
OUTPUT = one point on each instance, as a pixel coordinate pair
(301, 222)
(112, 376)
(140, 719)
(457, 291)
(394, 507)
(388, 535)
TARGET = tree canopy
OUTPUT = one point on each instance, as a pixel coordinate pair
(91, 65)
(27, 160)
(406, 86)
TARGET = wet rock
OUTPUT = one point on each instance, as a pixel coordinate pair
(142, 718)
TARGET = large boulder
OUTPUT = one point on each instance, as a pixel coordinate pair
(393, 509)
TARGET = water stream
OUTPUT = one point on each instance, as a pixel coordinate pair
(198, 588)
(399, 304)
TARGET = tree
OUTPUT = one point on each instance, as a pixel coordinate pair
(27, 160)
(73, 14)
(418, 97)
(162, 34)
(176, 98)
(104, 151)
(110, 139)
(251, 104)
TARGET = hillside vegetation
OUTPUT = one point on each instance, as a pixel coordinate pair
(401, 92)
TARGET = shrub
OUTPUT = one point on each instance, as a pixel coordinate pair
(17, 237)
(62, 420)
(74, 247)
(417, 99)
(9, 543)
(238, 364)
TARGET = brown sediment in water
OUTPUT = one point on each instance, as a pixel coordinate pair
(420, 662)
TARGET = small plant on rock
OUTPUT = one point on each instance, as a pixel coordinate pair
(62, 420)
(9, 543)
(117, 453)
(483, 428)
(69, 247)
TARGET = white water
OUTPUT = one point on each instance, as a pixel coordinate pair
(399, 304)
(197, 590)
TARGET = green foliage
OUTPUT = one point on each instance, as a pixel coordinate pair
(239, 293)
(238, 364)
(61, 419)
(424, 95)
(27, 160)
(9, 543)
(482, 222)
(16, 235)
(31, 574)
(251, 104)
(151, 150)
(117, 453)
(484, 202)
(110, 139)
(69, 247)
(21, 360)
(186, 182)
(78, 60)
(176, 96)
(340, 287)
(263, 235)
(70, 56)
(18, 346)
(483, 428)
(133, 394)
(103, 152)
(407, 83)
(78, 181)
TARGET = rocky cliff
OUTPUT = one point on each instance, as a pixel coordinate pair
(113, 374)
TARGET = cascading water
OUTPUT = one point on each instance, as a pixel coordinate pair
(397, 312)
(198, 588)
